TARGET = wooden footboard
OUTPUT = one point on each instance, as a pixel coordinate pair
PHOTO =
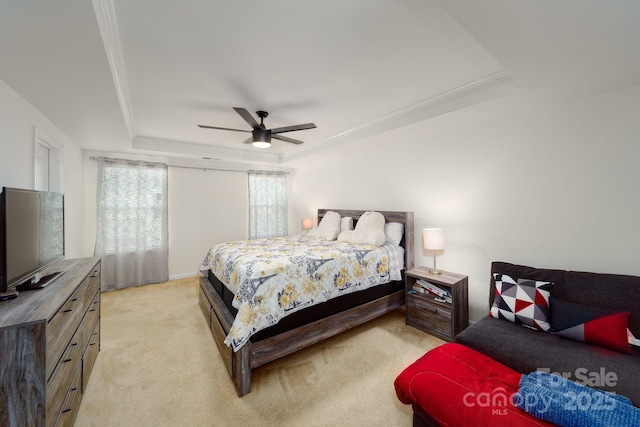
(252, 355)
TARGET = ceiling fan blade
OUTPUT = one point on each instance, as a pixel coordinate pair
(284, 138)
(216, 127)
(247, 117)
(294, 127)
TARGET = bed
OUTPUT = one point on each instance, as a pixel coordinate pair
(306, 325)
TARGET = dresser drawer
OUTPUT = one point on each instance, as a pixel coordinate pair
(71, 402)
(90, 355)
(62, 326)
(90, 319)
(57, 387)
(429, 315)
(91, 285)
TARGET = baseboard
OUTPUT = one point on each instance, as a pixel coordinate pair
(184, 275)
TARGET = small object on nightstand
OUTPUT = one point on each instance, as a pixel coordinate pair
(443, 308)
(433, 240)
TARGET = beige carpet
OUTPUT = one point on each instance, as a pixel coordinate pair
(159, 366)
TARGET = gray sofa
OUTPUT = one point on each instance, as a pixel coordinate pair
(527, 350)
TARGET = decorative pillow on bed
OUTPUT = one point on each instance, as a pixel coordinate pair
(394, 232)
(369, 230)
(525, 302)
(346, 223)
(594, 325)
(329, 226)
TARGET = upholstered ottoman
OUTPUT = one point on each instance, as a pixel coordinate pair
(453, 385)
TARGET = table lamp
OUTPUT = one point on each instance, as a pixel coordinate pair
(307, 224)
(433, 240)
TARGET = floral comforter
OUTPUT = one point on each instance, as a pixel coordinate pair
(272, 278)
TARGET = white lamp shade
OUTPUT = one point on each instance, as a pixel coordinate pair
(307, 223)
(433, 239)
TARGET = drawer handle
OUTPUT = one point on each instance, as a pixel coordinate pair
(73, 393)
(74, 347)
(73, 301)
(94, 335)
(95, 273)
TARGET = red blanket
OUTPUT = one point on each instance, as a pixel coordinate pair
(458, 386)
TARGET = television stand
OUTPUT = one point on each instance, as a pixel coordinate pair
(49, 342)
(44, 281)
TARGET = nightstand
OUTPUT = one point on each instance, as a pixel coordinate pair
(442, 319)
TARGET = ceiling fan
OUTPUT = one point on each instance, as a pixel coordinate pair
(261, 137)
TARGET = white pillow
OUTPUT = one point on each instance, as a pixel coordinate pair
(329, 226)
(346, 223)
(369, 230)
(394, 232)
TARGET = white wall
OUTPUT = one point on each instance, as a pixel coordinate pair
(554, 188)
(206, 207)
(17, 121)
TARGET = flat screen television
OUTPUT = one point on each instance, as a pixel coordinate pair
(31, 235)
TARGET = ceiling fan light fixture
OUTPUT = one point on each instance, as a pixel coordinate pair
(261, 144)
(261, 138)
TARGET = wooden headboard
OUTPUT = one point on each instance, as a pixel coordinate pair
(390, 216)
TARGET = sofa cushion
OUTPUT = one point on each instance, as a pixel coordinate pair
(457, 386)
(599, 326)
(525, 302)
(526, 350)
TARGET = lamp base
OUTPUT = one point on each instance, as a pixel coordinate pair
(434, 270)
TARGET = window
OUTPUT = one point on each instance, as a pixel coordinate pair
(132, 236)
(267, 204)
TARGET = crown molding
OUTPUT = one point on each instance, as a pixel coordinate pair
(187, 163)
(202, 150)
(106, 16)
(481, 90)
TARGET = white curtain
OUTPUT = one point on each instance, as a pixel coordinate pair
(132, 237)
(267, 204)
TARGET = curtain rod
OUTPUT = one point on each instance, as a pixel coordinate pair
(203, 168)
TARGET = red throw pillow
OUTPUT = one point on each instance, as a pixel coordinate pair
(593, 325)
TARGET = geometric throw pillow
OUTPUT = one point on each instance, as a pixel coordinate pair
(594, 325)
(525, 302)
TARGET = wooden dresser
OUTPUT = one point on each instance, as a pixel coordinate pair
(49, 341)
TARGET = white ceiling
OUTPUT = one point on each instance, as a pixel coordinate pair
(137, 76)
